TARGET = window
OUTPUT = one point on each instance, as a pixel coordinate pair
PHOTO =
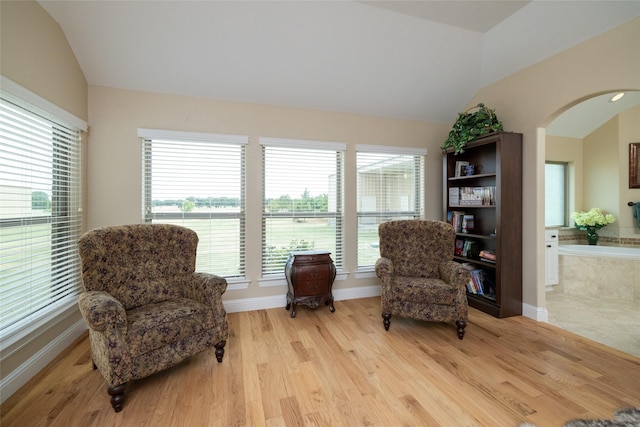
(197, 180)
(555, 194)
(40, 213)
(390, 187)
(302, 200)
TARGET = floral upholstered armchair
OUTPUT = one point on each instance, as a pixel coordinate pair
(420, 280)
(146, 307)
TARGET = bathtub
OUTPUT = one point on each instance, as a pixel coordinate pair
(607, 272)
(600, 251)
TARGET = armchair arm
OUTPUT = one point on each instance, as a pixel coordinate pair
(205, 288)
(384, 268)
(101, 310)
(455, 274)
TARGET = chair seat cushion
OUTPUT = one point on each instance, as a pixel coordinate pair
(159, 324)
(416, 289)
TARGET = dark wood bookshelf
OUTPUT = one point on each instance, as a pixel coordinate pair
(497, 159)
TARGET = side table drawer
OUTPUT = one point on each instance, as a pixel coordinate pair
(311, 280)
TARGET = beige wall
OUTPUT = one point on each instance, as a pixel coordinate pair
(115, 158)
(529, 100)
(35, 54)
(569, 150)
(601, 176)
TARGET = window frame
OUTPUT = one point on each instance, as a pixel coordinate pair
(151, 136)
(269, 272)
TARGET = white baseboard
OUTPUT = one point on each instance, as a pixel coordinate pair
(23, 373)
(355, 293)
(262, 303)
(250, 304)
(536, 313)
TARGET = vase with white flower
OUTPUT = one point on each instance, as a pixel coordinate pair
(591, 221)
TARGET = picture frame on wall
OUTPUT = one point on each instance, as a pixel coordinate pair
(634, 165)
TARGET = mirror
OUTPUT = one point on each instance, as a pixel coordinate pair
(634, 163)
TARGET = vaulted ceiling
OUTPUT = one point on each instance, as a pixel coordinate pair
(420, 60)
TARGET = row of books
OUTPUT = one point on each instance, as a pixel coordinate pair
(467, 248)
(462, 223)
(481, 284)
(472, 196)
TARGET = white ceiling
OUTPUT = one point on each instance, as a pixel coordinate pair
(420, 60)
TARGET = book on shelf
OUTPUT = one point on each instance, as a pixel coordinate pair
(472, 196)
(459, 246)
(469, 197)
(470, 287)
(456, 220)
(489, 286)
(467, 223)
(454, 196)
(488, 255)
(476, 284)
(470, 249)
(489, 195)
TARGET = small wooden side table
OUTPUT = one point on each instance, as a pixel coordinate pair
(310, 276)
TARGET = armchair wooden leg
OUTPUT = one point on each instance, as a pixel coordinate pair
(220, 350)
(386, 320)
(461, 324)
(117, 396)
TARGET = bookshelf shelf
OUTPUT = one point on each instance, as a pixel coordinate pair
(467, 177)
(489, 205)
(475, 236)
(472, 206)
(474, 261)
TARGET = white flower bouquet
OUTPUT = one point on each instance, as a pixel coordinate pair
(594, 219)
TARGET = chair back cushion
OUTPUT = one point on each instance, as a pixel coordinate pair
(138, 264)
(417, 247)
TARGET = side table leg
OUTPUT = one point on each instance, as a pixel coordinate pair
(329, 302)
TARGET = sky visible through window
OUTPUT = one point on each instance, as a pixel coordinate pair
(198, 171)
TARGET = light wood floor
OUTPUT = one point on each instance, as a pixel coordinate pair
(343, 369)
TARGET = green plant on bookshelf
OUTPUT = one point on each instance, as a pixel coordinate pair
(471, 125)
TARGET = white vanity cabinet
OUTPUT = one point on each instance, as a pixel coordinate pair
(551, 257)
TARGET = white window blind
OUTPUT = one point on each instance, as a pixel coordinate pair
(302, 200)
(390, 187)
(197, 180)
(40, 214)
